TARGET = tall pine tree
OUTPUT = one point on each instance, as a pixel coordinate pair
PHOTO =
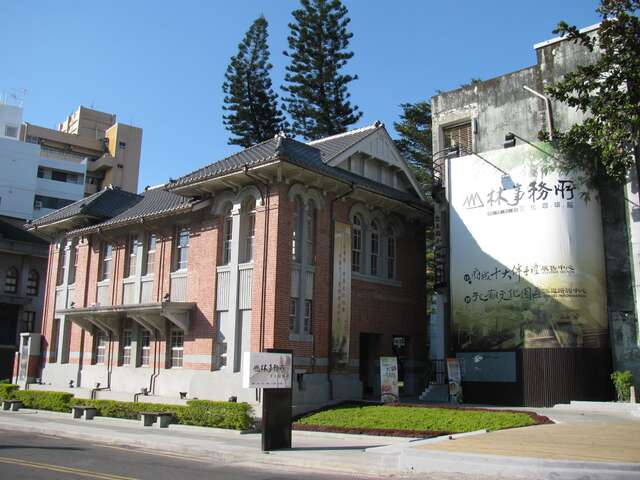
(318, 100)
(415, 141)
(251, 104)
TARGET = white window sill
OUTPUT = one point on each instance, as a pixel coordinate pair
(374, 279)
(179, 273)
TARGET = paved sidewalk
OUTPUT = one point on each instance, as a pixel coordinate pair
(356, 454)
(597, 442)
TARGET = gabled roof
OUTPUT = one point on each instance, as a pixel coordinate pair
(331, 147)
(297, 153)
(103, 204)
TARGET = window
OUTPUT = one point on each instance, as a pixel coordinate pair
(375, 247)
(459, 136)
(391, 254)
(42, 201)
(145, 348)
(100, 347)
(33, 283)
(182, 249)
(125, 347)
(132, 252)
(150, 255)
(227, 237)
(293, 314)
(73, 263)
(177, 348)
(309, 238)
(28, 322)
(249, 228)
(308, 315)
(55, 335)
(356, 243)
(40, 172)
(62, 262)
(297, 230)
(11, 131)
(11, 281)
(105, 261)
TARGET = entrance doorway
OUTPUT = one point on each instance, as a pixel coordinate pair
(8, 330)
(370, 365)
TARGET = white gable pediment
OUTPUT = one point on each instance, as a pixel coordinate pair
(375, 151)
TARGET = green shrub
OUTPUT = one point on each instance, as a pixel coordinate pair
(623, 381)
(7, 391)
(208, 413)
(44, 400)
(202, 413)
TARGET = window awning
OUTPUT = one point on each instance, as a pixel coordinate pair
(151, 316)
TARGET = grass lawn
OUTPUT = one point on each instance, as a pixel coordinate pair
(415, 418)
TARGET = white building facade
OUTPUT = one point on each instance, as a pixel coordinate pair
(34, 181)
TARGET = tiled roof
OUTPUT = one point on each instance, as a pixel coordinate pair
(333, 146)
(326, 148)
(249, 156)
(103, 204)
(151, 203)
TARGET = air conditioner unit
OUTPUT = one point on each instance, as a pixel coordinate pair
(37, 204)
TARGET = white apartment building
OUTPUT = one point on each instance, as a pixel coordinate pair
(35, 180)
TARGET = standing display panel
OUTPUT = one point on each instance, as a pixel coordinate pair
(527, 275)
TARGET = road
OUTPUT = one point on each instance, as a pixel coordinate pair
(33, 456)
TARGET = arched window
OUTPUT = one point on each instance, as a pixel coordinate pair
(248, 225)
(356, 244)
(391, 254)
(227, 236)
(73, 263)
(62, 263)
(106, 256)
(298, 215)
(374, 247)
(309, 240)
(33, 283)
(181, 259)
(11, 281)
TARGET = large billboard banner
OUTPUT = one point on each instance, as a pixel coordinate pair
(527, 258)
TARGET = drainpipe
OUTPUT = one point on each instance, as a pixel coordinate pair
(547, 103)
(265, 251)
(332, 247)
(156, 363)
(109, 368)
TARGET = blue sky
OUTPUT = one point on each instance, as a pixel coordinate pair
(160, 65)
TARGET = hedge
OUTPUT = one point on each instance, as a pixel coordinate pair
(203, 413)
(7, 391)
(43, 400)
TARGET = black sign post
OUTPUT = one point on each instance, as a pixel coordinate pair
(276, 414)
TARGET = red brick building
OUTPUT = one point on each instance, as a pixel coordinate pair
(317, 247)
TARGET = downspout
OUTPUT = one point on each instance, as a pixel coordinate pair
(109, 369)
(332, 247)
(547, 103)
(263, 298)
(156, 364)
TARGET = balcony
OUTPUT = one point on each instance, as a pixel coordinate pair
(105, 162)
